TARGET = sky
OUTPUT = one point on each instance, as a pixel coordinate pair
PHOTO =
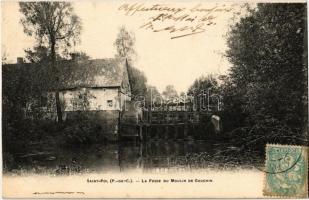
(164, 61)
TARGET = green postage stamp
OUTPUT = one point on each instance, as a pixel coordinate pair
(286, 171)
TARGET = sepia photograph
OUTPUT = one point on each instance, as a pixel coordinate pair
(154, 99)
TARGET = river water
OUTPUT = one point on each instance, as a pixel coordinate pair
(153, 156)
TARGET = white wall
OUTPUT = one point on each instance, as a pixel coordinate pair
(98, 99)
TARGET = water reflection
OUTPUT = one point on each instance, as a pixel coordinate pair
(153, 156)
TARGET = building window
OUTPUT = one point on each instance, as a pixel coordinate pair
(110, 103)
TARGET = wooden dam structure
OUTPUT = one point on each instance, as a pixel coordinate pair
(168, 122)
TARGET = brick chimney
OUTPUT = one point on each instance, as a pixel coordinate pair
(20, 60)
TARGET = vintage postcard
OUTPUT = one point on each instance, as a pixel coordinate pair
(154, 99)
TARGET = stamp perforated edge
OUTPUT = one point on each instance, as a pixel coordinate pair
(271, 195)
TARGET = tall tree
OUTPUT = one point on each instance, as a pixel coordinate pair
(138, 82)
(203, 84)
(268, 51)
(170, 93)
(53, 24)
(204, 90)
(124, 44)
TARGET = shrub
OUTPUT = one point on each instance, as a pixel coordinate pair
(82, 132)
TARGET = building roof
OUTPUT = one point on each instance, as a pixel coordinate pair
(76, 73)
(93, 73)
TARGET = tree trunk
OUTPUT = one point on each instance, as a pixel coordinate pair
(58, 107)
(56, 71)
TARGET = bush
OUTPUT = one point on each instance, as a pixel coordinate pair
(82, 132)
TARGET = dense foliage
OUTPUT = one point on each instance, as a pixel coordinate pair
(267, 85)
(125, 43)
(170, 94)
(138, 82)
(53, 24)
(204, 90)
